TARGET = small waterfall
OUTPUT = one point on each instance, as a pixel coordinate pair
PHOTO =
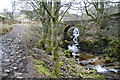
(76, 35)
(73, 46)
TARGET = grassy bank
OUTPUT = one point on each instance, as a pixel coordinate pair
(4, 28)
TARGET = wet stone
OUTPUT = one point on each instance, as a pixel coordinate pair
(5, 44)
(9, 50)
(12, 46)
(24, 57)
(18, 74)
(20, 50)
(12, 76)
(17, 47)
(6, 64)
(17, 52)
(18, 61)
(19, 77)
(12, 60)
(7, 71)
(89, 67)
(19, 56)
(5, 57)
(5, 74)
(14, 68)
(14, 64)
(3, 49)
(6, 60)
(12, 53)
(10, 39)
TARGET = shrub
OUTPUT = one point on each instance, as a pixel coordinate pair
(68, 53)
(113, 50)
(40, 44)
(102, 45)
(5, 28)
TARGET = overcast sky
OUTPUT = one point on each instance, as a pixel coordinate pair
(6, 4)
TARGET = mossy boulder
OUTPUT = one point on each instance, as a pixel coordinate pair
(68, 53)
(41, 44)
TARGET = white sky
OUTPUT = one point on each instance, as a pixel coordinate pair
(6, 4)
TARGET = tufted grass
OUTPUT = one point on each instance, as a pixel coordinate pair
(41, 67)
(4, 28)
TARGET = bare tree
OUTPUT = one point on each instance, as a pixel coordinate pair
(96, 11)
(48, 12)
(10, 14)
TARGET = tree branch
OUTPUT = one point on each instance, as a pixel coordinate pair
(47, 10)
(86, 10)
(65, 12)
(33, 5)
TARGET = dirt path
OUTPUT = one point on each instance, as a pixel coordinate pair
(13, 52)
(1, 58)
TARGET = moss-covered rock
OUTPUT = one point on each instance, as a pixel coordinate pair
(68, 53)
(41, 44)
(107, 59)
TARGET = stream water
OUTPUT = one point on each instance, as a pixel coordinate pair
(94, 59)
(75, 35)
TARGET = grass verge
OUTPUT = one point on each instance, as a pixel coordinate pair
(41, 67)
(4, 28)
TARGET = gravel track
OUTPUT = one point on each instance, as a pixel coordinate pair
(13, 52)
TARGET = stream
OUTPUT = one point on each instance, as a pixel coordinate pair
(90, 61)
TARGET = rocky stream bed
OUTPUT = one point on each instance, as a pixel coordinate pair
(110, 70)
